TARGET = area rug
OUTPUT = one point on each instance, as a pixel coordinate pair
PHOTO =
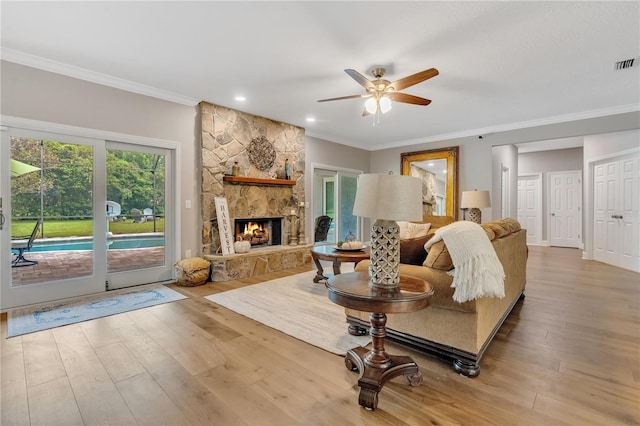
(296, 306)
(55, 314)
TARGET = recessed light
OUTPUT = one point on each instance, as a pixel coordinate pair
(240, 98)
(310, 119)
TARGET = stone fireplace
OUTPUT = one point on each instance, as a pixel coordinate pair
(260, 192)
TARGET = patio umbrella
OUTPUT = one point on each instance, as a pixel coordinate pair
(19, 168)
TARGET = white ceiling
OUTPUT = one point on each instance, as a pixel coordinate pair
(503, 65)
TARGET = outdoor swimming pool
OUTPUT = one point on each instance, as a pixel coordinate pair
(115, 243)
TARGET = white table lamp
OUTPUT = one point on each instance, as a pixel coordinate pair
(387, 198)
(474, 201)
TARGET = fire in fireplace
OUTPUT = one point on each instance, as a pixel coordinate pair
(266, 231)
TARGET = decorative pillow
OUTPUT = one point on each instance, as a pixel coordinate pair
(403, 224)
(412, 250)
(412, 230)
(439, 257)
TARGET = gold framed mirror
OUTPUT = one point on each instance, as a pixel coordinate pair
(438, 170)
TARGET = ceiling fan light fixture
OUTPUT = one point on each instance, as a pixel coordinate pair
(385, 104)
(371, 105)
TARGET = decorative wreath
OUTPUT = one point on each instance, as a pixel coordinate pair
(261, 152)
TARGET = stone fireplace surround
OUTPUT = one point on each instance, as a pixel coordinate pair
(225, 136)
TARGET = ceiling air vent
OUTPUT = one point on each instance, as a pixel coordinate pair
(627, 63)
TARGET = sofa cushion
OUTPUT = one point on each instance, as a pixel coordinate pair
(413, 230)
(499, 230)
(490, 233)
(511, 224)
(412, 250)
(438, 257)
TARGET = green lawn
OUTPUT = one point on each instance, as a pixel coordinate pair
(81, 228)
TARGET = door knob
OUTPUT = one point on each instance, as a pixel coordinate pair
(553, 214)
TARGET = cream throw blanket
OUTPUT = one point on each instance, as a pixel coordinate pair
(477, 270)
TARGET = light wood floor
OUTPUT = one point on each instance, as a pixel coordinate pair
(568, 354)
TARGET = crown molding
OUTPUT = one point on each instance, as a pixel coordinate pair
(38, 62)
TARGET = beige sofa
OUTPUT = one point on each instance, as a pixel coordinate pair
(457, 331)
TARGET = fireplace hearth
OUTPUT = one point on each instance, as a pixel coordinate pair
(265, 231)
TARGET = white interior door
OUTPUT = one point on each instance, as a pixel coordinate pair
(617, 212)
(565, 209)
(629, 216)
(530, 206)
(606, 232)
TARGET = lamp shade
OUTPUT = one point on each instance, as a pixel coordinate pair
(475, 199)
(388, 197)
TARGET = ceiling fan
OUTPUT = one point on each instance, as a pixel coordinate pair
(381, 92)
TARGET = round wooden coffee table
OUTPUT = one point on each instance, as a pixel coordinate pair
(376, 366)
(331, 254)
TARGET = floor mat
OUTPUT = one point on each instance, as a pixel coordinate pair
(43, 316)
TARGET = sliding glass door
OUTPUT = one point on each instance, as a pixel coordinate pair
(138, 215)
(52, 246)
(81, 216)
(334, 193)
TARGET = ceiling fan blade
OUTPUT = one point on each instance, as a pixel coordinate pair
(409, 81)
(364, 81)
(344, 97)
(365, 112)
(407, 99)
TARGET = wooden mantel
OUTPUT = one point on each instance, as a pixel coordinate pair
(257, 181)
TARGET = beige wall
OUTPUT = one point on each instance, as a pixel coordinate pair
(543, 162)
(504, 156)
(476, 167)
(40, 95)
(325, 153)
(474, 163)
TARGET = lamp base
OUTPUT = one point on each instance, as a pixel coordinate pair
(475, 215)
(384, 269)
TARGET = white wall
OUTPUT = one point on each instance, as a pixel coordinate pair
(504, 156)
(598, 146)
(557, 160)
(44, 96)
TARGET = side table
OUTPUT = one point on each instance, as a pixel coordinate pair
(376, 367)
(328, 253)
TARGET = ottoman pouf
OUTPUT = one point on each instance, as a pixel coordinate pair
(192, 271)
